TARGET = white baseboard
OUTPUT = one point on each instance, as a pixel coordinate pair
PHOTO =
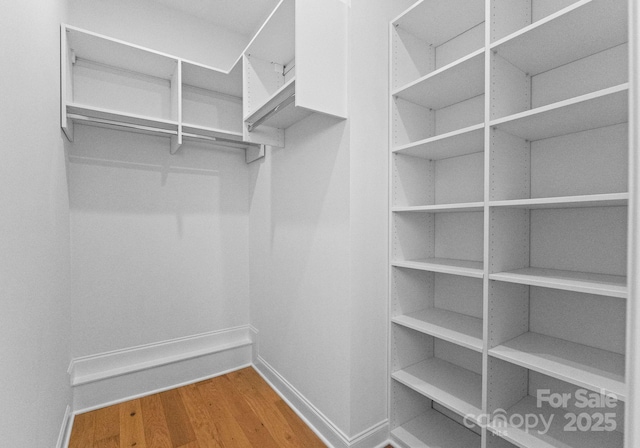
(329, 433)
(113, 377)
(65, 429)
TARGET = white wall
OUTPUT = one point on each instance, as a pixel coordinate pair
(318, 248)
(150, 24)
(299, 233)
(368, 188)
(159, 241)
(34, 229)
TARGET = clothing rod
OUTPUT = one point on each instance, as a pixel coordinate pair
(120, 124)
(222, 141)
(272, 112)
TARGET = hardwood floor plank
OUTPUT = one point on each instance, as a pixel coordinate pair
(109, 442)
(177, 418)
(83, 431)
(250, 423)
(265, 409)
(204, 429)
(156, 431)
(310, 439)
(132, 425)
(107, 422)
(230, 433)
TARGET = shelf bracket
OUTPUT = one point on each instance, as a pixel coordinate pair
(253, 153)
(176, 143)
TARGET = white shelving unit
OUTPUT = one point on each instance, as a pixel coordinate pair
(111, 83)
(509, 155)
(293, 68)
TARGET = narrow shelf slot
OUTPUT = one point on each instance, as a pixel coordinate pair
(444, 265)
(580, 30)
(450, 326)
(594, 110)
(434, 430)
(556, 436)
(599, 284)
(584, 366)
(457, 389)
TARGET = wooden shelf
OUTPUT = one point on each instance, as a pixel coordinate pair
(594, 110)
(455, 388)
(441, 208)
(465, 141)
(582, 29)
(458, 81)
(584, 366)
(594, 200)
(445, 266)
(437, 21)
(556, 437)
(460, 329)
(434, 430)
(600, 284)
(122, 117)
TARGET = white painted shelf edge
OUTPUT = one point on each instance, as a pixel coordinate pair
(448, 140)
(280, 95)
(593, 200)
(114, 115)
(444, 208)
(588, 367)
(457, 328)
(444, 265)
(600, 284)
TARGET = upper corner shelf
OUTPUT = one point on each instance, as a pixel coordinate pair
(112, 83)
(582, 29)
(286, 75)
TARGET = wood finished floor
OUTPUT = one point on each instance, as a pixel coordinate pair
(236, 410)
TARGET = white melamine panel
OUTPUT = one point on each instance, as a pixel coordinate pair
(459, 235)
(437, 21)
(442, 208)
(458, 355)
(510, 88)
(590, 74)
(460, 46)
(507, 384)
(406, 404)
(573, 239)
(457, 143)
(584, 28)
(509, 239)
(508, 312)
(598, 109)
(459, 179)
(543, 8)
(125, 91)
(410, 347)
(446, 325)
(410, 122)
(509, 16)
(209, 78)
(458, 294)
(452, 386)
(412, 58)
(589, 162)
(413, 236)
(593, 200)
(413, 181)
(117, 54)
(588, 367)
(450, 84)
(80, 113)
(321, 56)
(434, 430)
(411, 291)
(275, 41)
(211, 109)
(581, 318)
(444, 265)
(460, 115)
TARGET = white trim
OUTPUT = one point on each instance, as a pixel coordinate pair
(632, 410)
(65, 429)
(324, 428)
(89, 369)
(160, 390)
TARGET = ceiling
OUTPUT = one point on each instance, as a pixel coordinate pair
(241, 16)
